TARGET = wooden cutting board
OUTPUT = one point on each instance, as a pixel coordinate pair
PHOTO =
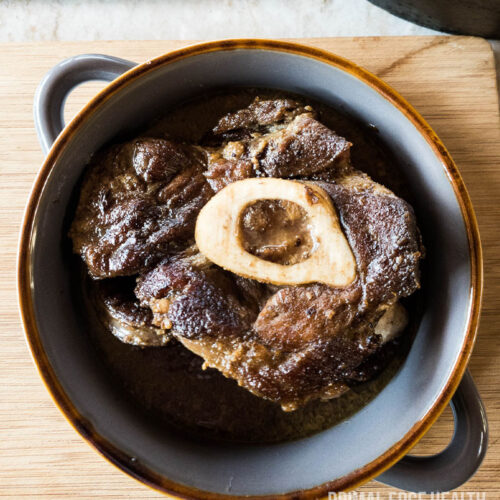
(450, 80)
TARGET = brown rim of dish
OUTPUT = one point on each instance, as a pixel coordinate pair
(127, 463)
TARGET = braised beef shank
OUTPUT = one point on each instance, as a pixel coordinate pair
(289, 344)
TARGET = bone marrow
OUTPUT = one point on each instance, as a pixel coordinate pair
(219, 237)
(277, 231)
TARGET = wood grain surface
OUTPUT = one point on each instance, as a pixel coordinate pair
(450, 80)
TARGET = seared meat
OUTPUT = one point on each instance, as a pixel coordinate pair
(119, 310)
(305, 148)
(137, 200)
(158, 160)
(260, 116)
(303, 342)
(223, 171)
(196, 301)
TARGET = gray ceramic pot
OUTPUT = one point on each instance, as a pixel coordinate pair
(342, 457)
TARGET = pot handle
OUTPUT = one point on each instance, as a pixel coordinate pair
(48, 108)
(459, 461)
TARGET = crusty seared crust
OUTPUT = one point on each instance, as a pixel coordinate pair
(138, 201)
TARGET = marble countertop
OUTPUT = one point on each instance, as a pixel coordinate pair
(36, 20)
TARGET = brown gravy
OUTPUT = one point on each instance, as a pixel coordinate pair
(169, 383)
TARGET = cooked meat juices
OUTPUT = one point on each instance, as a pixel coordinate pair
(289, 344)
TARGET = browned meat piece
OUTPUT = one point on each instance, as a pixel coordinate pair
(303, 148)
(199, 297)
(137, 200)
(222, 172)
(302, 342)
(259, 116)
(119, 310)
(388, 246)
(157, 160)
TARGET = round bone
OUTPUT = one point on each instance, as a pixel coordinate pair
(218, 234)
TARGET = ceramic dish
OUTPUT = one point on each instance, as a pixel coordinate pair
(342, 457)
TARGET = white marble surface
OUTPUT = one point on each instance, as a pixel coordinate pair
(25, 20)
